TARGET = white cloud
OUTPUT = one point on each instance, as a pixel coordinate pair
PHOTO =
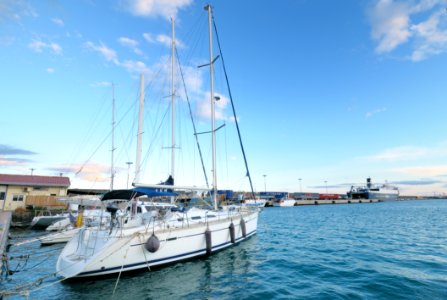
(50, 70)
(204, 107)
(108, 53)
(409, 153)
(93, 172)
(39, 46)
(130, 43)
(15, 10)
(125, 41)
(167, 40)
(135, 66)
(399, 153)
(393, 25)
(428, 171)
(154, 8)
(101, 84)
(148, 37)
(58, 22)
(390, 24)
(374, 112)
(433, 40)
(163, 39)
(193, 78)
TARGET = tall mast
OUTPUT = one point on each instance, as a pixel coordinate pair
(140, 131)
(112, 171)
(173, 100)
(213, 132)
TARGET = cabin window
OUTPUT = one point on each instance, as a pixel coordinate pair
(211, 216)
(196, 218)
(17, 198)
(2, 195)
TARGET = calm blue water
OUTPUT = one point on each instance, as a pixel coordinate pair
(395, 250)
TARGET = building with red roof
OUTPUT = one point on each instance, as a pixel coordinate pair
(14, 189)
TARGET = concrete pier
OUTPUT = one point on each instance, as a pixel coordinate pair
(337, 201)
(5, 222)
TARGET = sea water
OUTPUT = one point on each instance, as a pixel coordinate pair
(390, 250)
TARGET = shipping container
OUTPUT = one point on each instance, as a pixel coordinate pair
(306, 196)
(329, 196)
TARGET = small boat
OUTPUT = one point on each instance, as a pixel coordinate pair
(254, 202)
(43, 221)
(68, 227)
(384, 192)
(59, 237)
(59, 225)
(284, 202)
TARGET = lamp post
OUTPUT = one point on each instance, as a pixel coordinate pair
(301, 190)
(128, 170)
(325, 182)
(265, 185)
(32, 170)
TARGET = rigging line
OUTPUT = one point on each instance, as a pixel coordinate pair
(226, 154)
(234, 110)
(192, 119)
(103, 141)
(155, 135)
(93, 125)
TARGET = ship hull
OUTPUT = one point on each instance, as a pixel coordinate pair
(381, 196)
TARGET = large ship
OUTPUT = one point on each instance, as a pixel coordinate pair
(384, 192)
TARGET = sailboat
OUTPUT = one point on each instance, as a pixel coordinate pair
(144, 236)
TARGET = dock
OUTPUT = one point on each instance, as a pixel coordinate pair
(301, 202)
(5, 222)
(335, 201)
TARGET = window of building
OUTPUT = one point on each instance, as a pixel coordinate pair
(40, 188)
(17, 198)
(2, 195)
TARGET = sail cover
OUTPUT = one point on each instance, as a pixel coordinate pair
(136, 192)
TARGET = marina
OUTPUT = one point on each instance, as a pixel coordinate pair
(226, 150)
(309, 252)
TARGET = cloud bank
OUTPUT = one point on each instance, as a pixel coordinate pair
(421, 24)
(7, 151)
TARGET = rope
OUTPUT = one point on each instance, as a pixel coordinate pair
(144, 253)
(119, 274)
(192, 119)
(234, 110)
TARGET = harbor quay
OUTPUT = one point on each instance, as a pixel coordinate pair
(302, 202)
(335, 201)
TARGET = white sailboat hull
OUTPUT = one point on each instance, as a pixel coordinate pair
(255, 202)
(284, 203)
(59, 237)
(95, 253)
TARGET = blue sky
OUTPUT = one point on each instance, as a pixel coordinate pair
(327, 91)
